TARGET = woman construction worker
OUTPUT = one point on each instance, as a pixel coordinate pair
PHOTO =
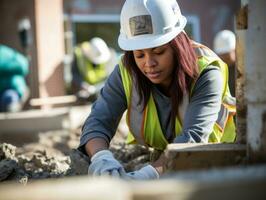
(174, 91)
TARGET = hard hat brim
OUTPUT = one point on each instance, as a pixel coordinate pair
(150, 41)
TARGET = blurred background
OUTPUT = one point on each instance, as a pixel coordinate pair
(54, 27)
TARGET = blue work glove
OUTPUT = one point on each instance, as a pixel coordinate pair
(104, 163)
(145, 173)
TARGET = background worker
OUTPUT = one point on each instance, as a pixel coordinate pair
(224, 45)
(13, 88)
(93, 62)
(174, 91)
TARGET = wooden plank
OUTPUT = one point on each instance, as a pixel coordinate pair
(34, 120)
(243, 183)
(199, 190)
(53, 100)
(201, 156)
(84, 188)
(25, 125)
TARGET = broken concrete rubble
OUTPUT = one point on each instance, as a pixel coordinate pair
(54, 155)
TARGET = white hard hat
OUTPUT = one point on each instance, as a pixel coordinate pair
(149, 23)
(224, 42)
(97, 50)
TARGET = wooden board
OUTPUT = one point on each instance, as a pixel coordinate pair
(202, 156)
(67, 189)
(53, 100)
(243, 183)
(34, 120)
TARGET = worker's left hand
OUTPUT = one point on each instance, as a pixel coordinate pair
(145, 173)
(103, 163)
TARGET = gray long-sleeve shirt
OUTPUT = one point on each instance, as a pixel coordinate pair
(200, 116)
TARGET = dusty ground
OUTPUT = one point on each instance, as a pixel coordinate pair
(54, 155)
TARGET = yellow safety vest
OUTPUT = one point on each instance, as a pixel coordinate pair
(91, 74)
(144, 125)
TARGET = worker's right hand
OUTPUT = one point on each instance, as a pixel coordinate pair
(104, 163)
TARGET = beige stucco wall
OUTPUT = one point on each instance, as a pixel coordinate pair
(50, 43)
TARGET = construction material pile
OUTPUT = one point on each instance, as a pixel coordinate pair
(55, 155)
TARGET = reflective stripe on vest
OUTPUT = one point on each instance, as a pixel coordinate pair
(91, 74)
(144, 125)
(224, 128)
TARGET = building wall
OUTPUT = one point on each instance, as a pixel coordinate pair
(214, 15)
(47, 49)
(93, 6)
(11, 11)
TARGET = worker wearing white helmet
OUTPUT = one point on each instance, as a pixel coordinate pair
(173, 89)
(224, 45)
(90, 67)
(224, 42)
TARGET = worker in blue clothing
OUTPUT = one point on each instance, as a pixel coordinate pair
(14, 67)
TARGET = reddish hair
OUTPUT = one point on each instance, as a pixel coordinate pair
(184, 74)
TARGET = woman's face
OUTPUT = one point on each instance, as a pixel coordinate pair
(157, 64)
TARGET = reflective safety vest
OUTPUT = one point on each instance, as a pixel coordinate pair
(144, 124)
(91, 74)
